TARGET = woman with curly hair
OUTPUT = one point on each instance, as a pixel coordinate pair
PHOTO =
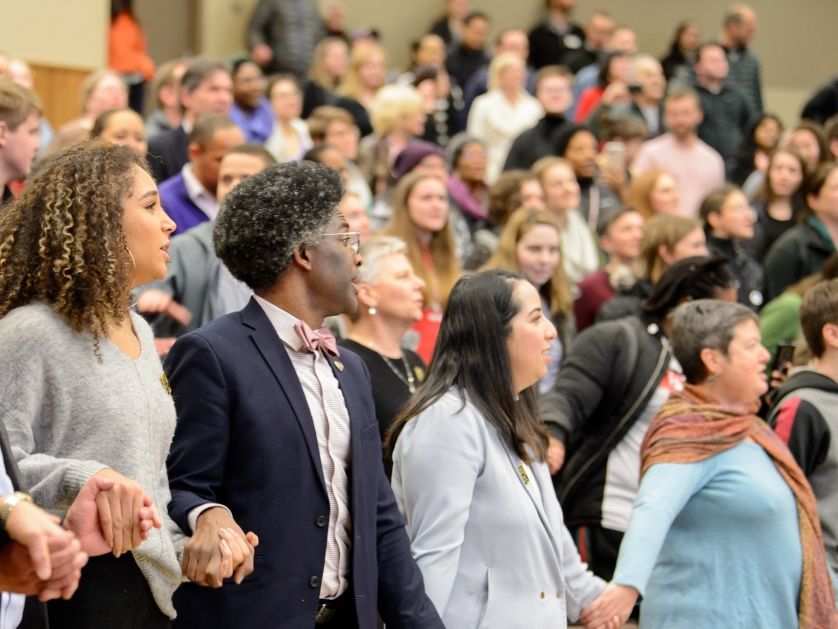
(84, 395)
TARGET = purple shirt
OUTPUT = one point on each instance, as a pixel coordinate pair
(256, 125)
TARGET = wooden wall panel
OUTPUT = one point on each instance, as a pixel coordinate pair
(59, 90)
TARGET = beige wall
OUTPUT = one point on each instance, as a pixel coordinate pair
(795, 58)
(58, 33)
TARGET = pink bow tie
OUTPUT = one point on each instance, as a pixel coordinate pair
(312, 341)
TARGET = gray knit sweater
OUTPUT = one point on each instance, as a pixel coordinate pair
(69, 416)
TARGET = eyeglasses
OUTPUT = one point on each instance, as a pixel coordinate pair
(349, 239)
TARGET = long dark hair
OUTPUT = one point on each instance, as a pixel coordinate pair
(471, 358)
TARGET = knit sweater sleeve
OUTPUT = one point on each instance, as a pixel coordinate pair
(31, 341)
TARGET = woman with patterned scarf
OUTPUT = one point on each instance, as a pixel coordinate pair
(725, 529)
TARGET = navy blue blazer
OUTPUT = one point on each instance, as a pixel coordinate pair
(175, 199)
(245, 439)
(167, 153)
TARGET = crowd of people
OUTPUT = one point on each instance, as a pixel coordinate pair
(531, 332)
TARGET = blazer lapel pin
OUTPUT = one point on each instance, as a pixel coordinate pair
(339, 365)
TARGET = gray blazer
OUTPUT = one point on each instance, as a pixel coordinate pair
(485, 528)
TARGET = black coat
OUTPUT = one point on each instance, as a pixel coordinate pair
(535, 143)
(168, 152)
(801, 251)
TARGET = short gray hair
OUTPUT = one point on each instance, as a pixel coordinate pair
(704, 324)
(373, 251)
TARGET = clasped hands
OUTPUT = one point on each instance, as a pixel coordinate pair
(611, 609)
(218, 550)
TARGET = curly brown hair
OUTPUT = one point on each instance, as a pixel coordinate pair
(62, 241)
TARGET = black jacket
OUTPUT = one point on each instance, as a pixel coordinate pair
(168, 152)
(602, 389)
(550, 47)
(746, 270)
(801, 251)
(535, 143)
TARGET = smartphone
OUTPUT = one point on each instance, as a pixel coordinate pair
(785, 354)
(615, 156)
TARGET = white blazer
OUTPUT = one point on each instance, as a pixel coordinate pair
(485, 528)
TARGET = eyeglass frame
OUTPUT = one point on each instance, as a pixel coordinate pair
(354, 244)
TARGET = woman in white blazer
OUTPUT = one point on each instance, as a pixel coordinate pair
(469, 471)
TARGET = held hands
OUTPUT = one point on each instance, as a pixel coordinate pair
(111, 513)
(43, 558)
(610, 609)
(218, 550)
(555, 455)
(156, 301)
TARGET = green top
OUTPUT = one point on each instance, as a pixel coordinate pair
(779, 321)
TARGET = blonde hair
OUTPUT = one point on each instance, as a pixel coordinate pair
(640, 193)
(91, 82)
(662, 230)
(393, 103)
(317, 72)
(445, 269)
(500, 63)
(522, 220)
(351, 84)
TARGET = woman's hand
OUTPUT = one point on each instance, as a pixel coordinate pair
(610, 609)
(555, 455)
(218, 550)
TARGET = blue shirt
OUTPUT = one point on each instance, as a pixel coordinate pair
(11, 605)
(714, 544)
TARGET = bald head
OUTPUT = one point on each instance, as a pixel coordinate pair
(740, 25)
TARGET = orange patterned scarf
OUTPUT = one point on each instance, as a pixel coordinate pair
(693, 426)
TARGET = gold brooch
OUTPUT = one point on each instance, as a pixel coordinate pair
(165, 382)
(339, 365)
(523, 472)
(420, 373)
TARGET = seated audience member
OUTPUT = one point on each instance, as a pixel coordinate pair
(421, 219)
(512, 40)
(666, 240)
(205, 87)
(442, 102)
(356, 215)
(198, 288)
(250, 110)
(757, 146)
(95, 408)
(684, 44)
(707, 453)
(20, 113)
(290, 138)
(100, 91)
(467, 186)
(561, 198)
(727, 113)
(328, 67)
(697, 168)
(390, 301)
(261, 386)
(529, 245)
(611, 88)
(553, 91)
(805, 414)
(557, 37)
(20, 72)
(624, 40)
(823, 104)
(598, 32)
(166, 90)
(778, 202)
(598, 199)
(779, 319)
(654, 192)
(472, 439)
(615, 380)
(803, 249)
(647, 88)
(189, 197)
(810, 140)
(336, 127)
(366, 75)
(499, 115)
(620, 238)
(469, 55)
(449, 26)
(512, 190)
(398, 118)
(121, 126)
(832, 138)
(629, 133)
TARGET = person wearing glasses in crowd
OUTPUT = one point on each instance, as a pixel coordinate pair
(277, 428)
